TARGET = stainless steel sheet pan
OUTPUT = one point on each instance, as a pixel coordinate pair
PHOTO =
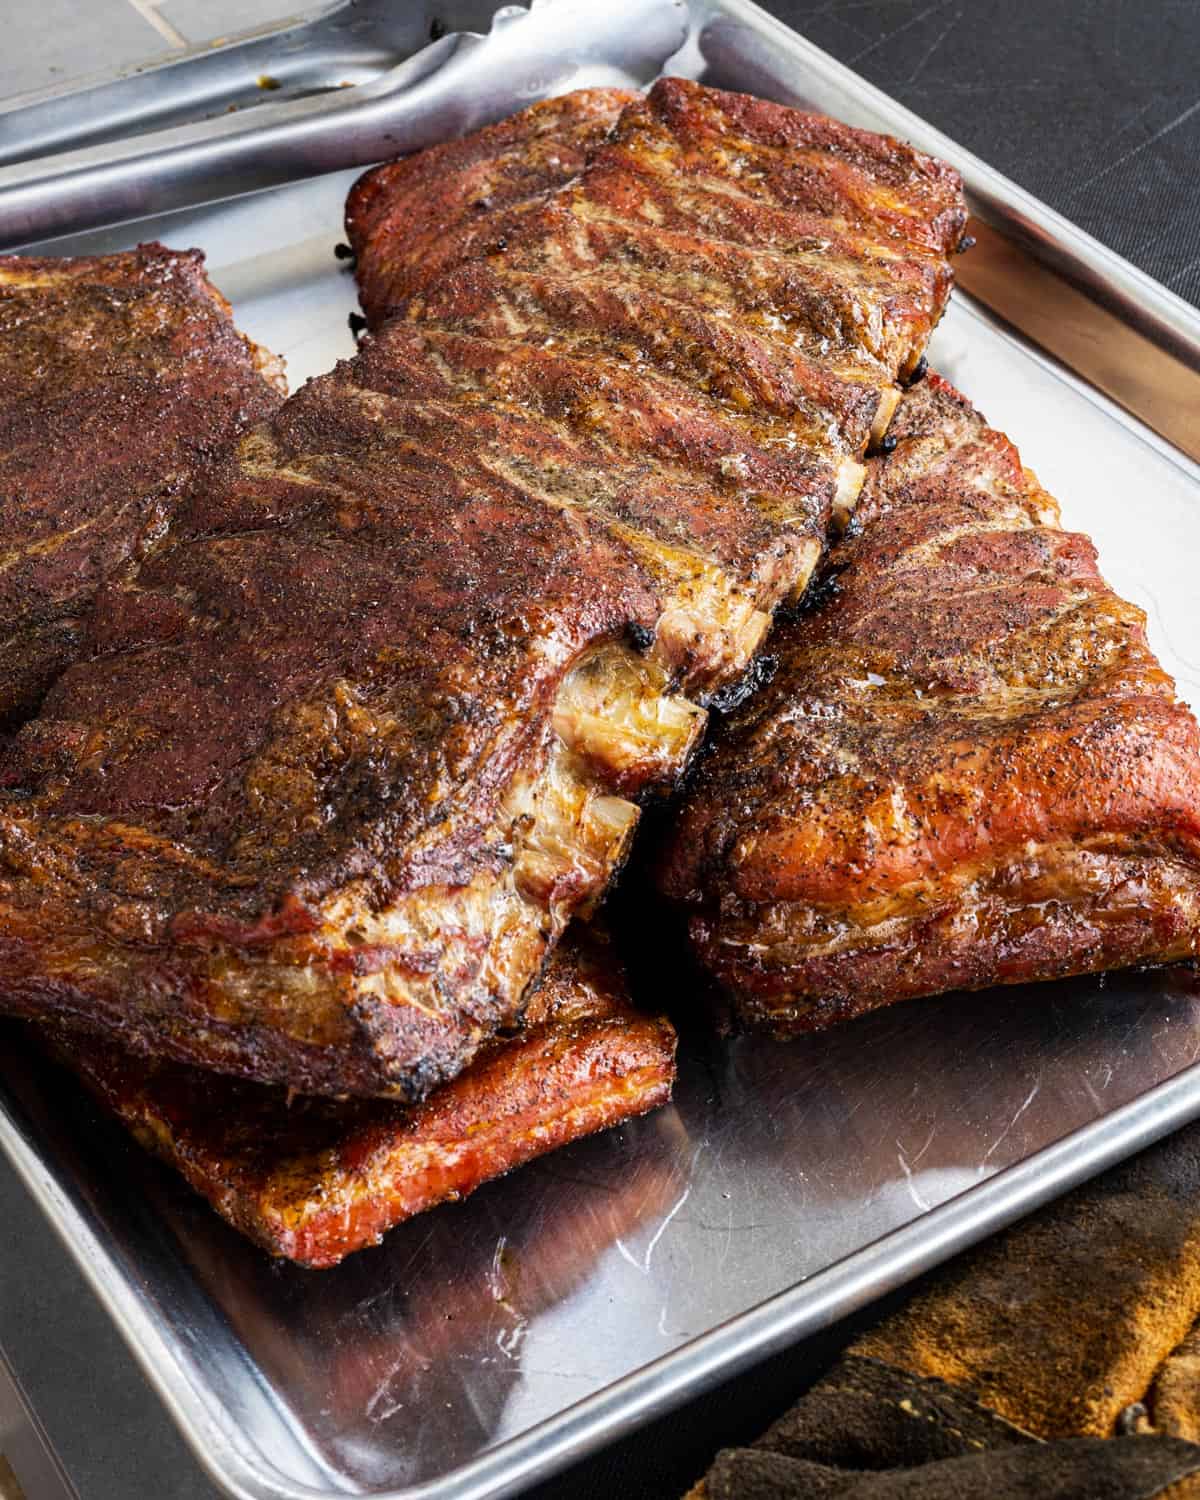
(487, 1343)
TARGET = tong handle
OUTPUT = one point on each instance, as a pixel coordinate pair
(455, 84)
(353, 39)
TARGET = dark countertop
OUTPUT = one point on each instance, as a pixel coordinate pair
(1094, 105)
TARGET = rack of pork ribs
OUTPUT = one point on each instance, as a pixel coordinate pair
(968, 769)
(370, 723)
(363, 712)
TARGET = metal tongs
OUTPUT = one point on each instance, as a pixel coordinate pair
(371, 86)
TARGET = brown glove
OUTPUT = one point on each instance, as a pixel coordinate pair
(1075, 1326)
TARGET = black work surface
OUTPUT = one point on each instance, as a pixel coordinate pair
(1094, 105)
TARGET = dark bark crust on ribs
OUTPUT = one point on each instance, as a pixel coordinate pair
(122, 377)
(358, 741)
(291, 724)
(315, 1179)
(969, 768)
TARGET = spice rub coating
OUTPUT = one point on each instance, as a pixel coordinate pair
(772, 262)
(355, 744)
(122, 377)
(409, 221)
(969, 768)
(315, 1179)
(312, 809)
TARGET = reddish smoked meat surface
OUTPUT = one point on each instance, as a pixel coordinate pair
(315, 1179)
(122, 379)
(410, 221)
(969, 769)
(352, 746)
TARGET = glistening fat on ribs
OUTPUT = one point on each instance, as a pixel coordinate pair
(315, 1179)
(354, 745)
(122, 377)
(969, 768)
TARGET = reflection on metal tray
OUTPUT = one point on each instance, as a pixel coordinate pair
(487, 1343)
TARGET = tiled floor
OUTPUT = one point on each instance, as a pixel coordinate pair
(58, 41)
(205, 20)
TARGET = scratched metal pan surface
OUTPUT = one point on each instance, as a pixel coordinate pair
(487, 1343)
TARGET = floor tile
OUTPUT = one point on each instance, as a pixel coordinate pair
(61, 41)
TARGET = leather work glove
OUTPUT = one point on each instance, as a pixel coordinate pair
(1059, 1360)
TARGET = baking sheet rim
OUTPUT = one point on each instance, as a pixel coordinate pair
(244, 1471)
